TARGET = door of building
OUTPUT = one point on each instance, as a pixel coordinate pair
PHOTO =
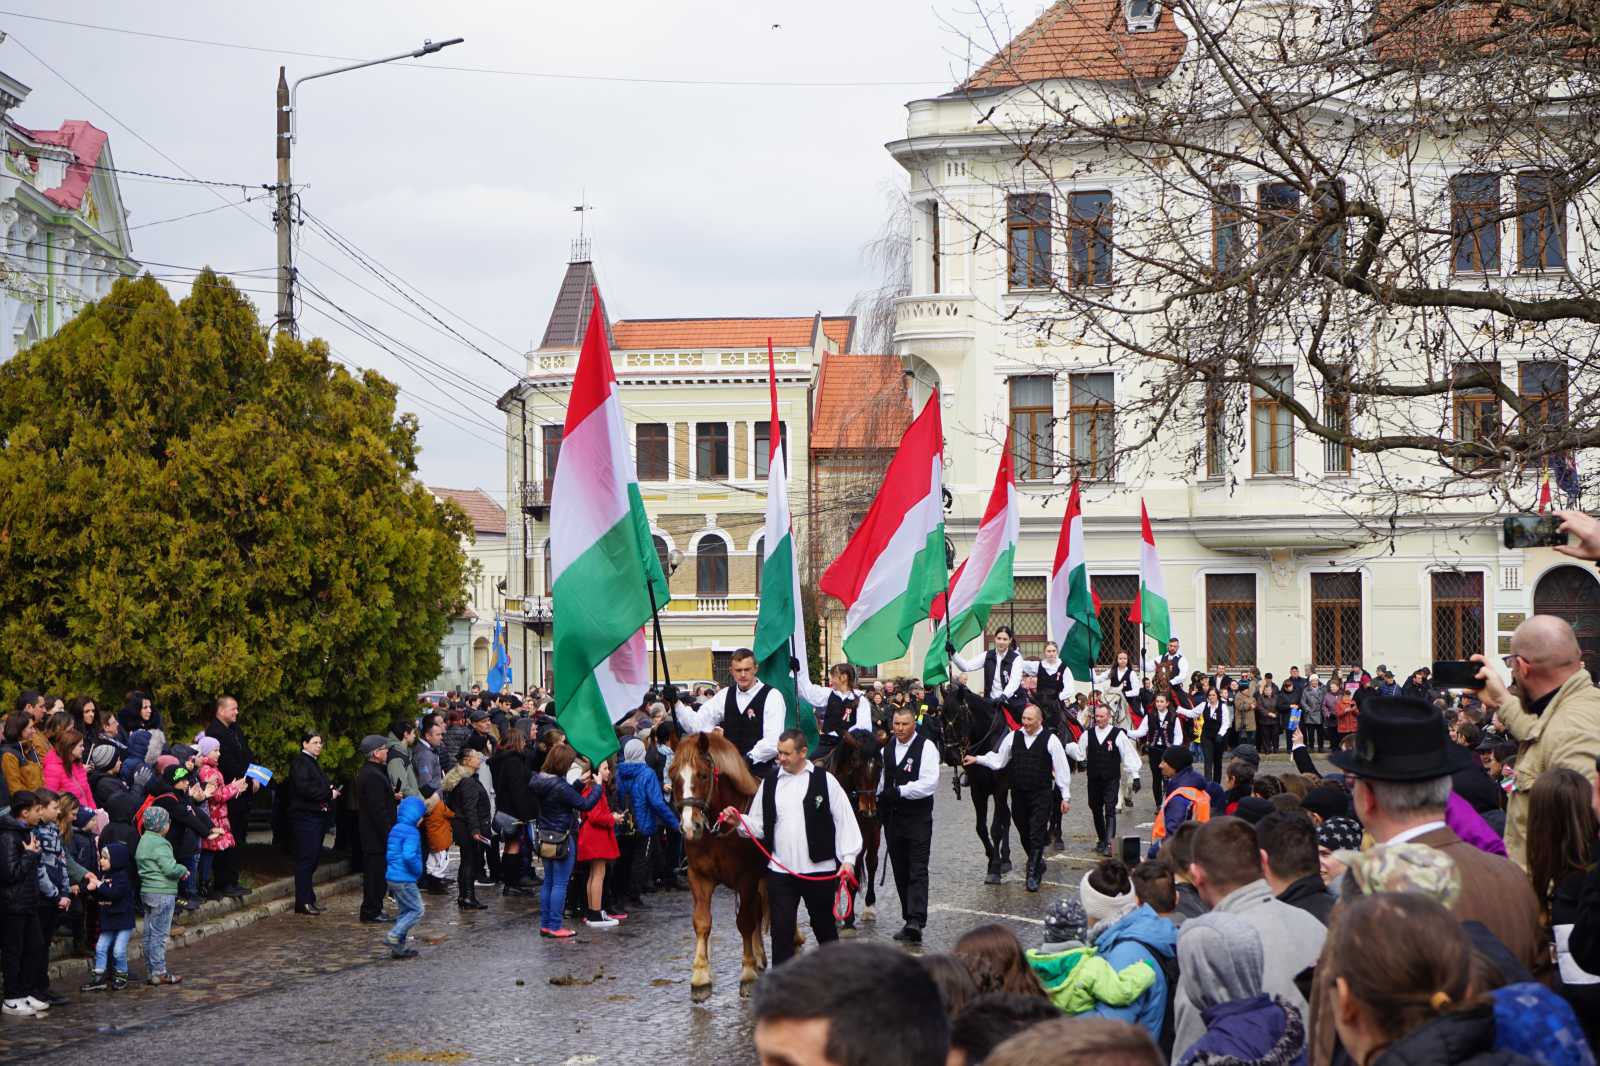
(1572, 592)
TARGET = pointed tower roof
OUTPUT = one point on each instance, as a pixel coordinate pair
(570, 315)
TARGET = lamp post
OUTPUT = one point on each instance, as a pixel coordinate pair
(284, 138)
(539, 616)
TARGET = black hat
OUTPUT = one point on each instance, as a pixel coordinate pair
(1253, 808)
(478, 715)
(1326, 802)
(1177, 757)
(1401, 738)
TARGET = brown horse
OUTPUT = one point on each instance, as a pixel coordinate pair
(857, 762)
(708, 774)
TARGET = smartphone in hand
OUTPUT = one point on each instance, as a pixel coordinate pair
(1533, 531)
(1456, 674)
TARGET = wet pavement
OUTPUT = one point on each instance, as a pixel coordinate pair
(486, 987)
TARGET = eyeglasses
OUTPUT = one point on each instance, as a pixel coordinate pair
(1511, 661)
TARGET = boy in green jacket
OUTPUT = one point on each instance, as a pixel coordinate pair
(1076, 978)
(159, 874)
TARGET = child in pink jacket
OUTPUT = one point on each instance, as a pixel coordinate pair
(218, 793)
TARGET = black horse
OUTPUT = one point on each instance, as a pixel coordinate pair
(856, 761)
(975, 726)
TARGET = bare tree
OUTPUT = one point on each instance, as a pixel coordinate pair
(888, 256)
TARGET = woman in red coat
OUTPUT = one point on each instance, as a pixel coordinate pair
(597, 846)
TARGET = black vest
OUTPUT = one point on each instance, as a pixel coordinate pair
(1050, 685)
(1005, 669)
(741, 728)
(818, 815)
(1030, 766)
(839, 714)
(1120, 683)
(1104, 758)
(1213, 720)
(905, 772)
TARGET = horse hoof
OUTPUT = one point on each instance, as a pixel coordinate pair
(991, 878)
(746, 987)
(869, 915)
(699, 993)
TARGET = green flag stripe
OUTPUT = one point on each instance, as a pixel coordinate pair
(886, 634)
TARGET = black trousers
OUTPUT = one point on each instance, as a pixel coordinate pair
(308, 833)
(23, 953)
(50, 917)
(1030, 809)
(374, 882)
(784, 895)
(909, 841)
(1212, 747)
(1267, 737)
(467, 872)
(1314, 736)
(1104, 795)
(1158, 784)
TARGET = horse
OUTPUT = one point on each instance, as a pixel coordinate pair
(708, 774)
(856, 761)
(974, 726)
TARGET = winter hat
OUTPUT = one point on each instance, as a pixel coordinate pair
(1248, 753)
(633, 751)
(1338, 834)
(208, 746)
(1326, 802)
(1222, 953)
(165, 763)
(156, 819)
(372, 742)
(1179, 758)
(98, 822)
(101, 756)
(182, 752)
(1253, 808)
(1102, 908)
(1066, 925)
(1404, 868)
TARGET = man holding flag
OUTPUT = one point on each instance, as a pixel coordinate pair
(749, 712)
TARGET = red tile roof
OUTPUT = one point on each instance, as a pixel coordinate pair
(861, 403)
(1085, 39)
(840, 330)
(486, 515)
(86, 143)
(656, 333)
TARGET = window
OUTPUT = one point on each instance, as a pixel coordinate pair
(1336, 621)
(1089, 239)
(1271, 424)
(1336, 415)
(662, 554)
(1028, 240)
(1141, 15)
(1227, 230)
(1032, 420)
(1231, 619)
(1280, 204)
(933, 245)
(764, 446)
(1117, 593)
(1025, 614)
(551, 438)
(1544, 385)
(711, 568)
(1457, 615)
(1330, 201)
(1093, 430)
(710, 450)
(651, 443)
(1216, 432)
(1477, 411)
(1541, 223)
(1475, 223)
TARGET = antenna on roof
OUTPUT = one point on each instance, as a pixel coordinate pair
(580, 247)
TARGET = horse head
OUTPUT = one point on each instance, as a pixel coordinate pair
(707, 774)
(857, 764)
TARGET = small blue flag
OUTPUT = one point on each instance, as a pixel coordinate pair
(500, 671)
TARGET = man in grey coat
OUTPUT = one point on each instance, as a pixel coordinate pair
(1226, 871)
(402, 740)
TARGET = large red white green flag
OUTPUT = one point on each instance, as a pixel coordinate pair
(1072, 608)
(602, 559)
(1150, 609)
(889, 574)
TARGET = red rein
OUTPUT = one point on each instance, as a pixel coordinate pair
(844, 900)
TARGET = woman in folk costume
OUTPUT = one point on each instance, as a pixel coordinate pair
(1002, 675)
(1053, 688)
(1120, 677)
(840, 707)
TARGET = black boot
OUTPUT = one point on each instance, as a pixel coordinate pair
(97, 982)
(1034, 874)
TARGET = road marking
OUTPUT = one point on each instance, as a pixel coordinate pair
(942, 908)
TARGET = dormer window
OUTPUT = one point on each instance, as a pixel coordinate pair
(1141, 15)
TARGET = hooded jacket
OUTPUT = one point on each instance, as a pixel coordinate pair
(74, 781)
(23, 770)
(402, 774)
(1078, 980)
(641, 791)
(473, 812)
(1122, 944)
(404, 853)
(19, 867)
(1259, 1030)
(116, 891)
(159, 871)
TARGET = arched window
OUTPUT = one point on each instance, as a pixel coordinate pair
(711, 568)
(661, 552)
(761, 559)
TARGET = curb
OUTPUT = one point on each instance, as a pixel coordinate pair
(229, 916)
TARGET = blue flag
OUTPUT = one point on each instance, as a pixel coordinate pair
(500, 669)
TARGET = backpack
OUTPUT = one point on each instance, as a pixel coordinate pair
(1169, 972)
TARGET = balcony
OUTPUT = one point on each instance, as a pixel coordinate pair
(929, 317)
(711, 604)
(535, 498)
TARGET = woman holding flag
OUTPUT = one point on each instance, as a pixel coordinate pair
(840, 706)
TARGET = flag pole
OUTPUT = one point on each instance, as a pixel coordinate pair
(658, 646)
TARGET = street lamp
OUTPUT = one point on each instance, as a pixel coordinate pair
(287, 134)
(539, 617)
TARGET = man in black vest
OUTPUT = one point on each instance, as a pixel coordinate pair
(905, 803)
(1038, 765)
(1108, 750)
(748, 712)
(804, 819)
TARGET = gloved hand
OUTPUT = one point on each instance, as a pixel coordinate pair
(949, 650)
(669, 696)
(1136, 784)
(794, 666)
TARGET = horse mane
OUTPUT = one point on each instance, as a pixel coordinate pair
(727, 761)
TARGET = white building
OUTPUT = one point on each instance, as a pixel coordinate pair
(1257, 571)
(66, 231)
(466, 652)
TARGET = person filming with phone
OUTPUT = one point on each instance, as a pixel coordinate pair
(1551, 708)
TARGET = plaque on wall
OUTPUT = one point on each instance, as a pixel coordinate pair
(1511, 620)
(1505, 645)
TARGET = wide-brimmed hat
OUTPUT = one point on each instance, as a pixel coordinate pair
(1401, 738)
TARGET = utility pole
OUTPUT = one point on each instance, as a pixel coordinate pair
(280, 214)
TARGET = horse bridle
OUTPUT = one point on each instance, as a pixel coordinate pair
(717, 827)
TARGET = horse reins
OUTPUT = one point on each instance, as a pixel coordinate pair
(844, 898)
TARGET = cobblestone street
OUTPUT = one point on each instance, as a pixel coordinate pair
(486, 988)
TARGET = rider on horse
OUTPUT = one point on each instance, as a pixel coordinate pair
(840, 706)
(749, 712)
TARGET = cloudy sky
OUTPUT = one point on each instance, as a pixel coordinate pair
(708, 198)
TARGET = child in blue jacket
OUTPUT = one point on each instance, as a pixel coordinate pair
(404, 870)
(115, 894)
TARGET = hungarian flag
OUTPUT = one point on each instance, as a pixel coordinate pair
(1150, 611)
(780, 629)
(602, 559)
(984, 579)
(1544, 492)
(1073, 619)
(894, 566)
